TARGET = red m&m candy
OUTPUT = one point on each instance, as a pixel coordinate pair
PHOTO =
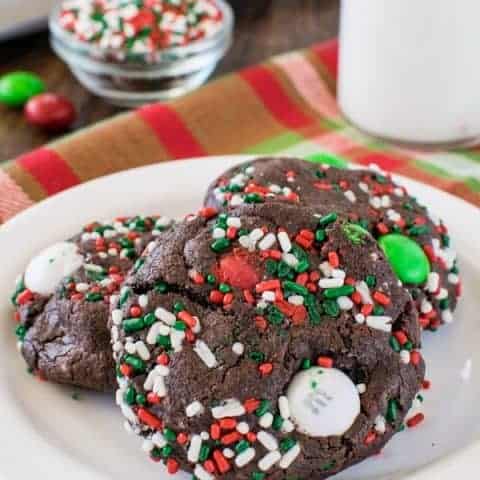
(50, 111)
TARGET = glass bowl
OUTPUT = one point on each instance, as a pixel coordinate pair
(135, 79)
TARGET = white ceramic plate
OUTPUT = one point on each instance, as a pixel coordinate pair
(45, 433)
(19, 17)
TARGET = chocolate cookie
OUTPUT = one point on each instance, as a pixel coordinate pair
(62, 301)
(268, 342)
(415, 240)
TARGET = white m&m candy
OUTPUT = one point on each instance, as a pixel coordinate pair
(45, 272)
(323, 402)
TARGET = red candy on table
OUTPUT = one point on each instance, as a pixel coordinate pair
(50, 111)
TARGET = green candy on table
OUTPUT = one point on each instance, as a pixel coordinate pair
(406, 257)
(17, 88)
(328, 159)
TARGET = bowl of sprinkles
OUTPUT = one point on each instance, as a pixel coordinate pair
(132, 52)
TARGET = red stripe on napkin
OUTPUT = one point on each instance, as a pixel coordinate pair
(171, 131)
(327, 52)
(49, 169)
(269, 90)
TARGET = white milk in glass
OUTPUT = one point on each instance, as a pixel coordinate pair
(410, 69)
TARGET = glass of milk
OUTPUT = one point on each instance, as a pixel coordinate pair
(409, 70)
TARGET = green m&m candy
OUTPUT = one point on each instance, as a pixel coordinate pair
(406, 257)
(17, 88)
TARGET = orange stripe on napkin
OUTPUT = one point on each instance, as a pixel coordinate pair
(13, 199)
(171, 131)
(49, 169)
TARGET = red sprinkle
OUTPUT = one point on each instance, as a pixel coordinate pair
(382, 228)
(153, 398)
(172, 466)
(228, 298)
(401, 337)
(207, 212)
(126, 370)
(231, 438)
(251, 405)
(251, 437)
(367, 309)
(182, 438)
(24, 297)
(197, 278)
(163, 359)
(187, 318)
(325, 362)
(249, 298)
(222, 463)
(209, 466)
(215, 431)
(416, 420)
(265, 369)
(426, 384)
(267, 285)
(261, 323)
(333, 259)
(370, 438)
(135, 311)
(415, 357)
(231, 233)
(148, 418)
(381, 298)
(216, 296)
(228, 423)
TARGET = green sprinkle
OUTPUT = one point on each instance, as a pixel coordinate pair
(138, 264)
(137, 363)
(445, 240)
(179, 325)
(129, 396)
(277, 422)
(224, 288)
(161, 287)
(378, 310)
(204, 452)
(408, 346)
(141, 399)
(371, 280)
(271, 267)
(93, 297)
(395, 344)
(169, 435)
(241, 446)
(258, 476)
(287, 444)
(131, 325)
(283, 270)
(418, 230)
(295, 288)
(124, 296)
(253, 198)
(444, 303)
(164, 341)
(274, 315)
(343, 291)
(257, 357)
(149, 319)
(18, 290)
(211, 279)
(306, 364)
(220, 245)
(20, 332)
(167, 450)
(355, 233)
(331, 308)
(392, 411)
(320, 235)
(327, 219)
(125, 243)
(178, 307)
(263, 408)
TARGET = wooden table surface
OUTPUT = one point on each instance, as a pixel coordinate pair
(264, 28)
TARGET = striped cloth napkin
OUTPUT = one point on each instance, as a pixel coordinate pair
(285, 106)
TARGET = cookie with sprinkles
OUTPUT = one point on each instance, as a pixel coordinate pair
(268, 342)
(62, 300)
(415, 241)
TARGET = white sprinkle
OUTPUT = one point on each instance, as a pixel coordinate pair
(453, 278)
(290, 259)
(345, 303)
(284, 242)
(398, 192)
(361, 388)
(364, 291)
(176, 339)
(275, 188)
(405, 356)
(228, 453)
(284, 407)
(159, 440)
(143, 300)
(234, 222)
(433, 282)
(268, 296)
(447, 316)
(117, 317)
(82, 287)
(375, 202)
(205, 354)
(238, 348)
(117, 346)
(289, 457)
(363, 186)
(147, 445)
(245, 457)
(380, 322)
(142, 350)
(287, 427)
(159, 387)
(266, 420)
(231, 408)
(267, 440)
(386, 202)
(194, 449)
(90, 267)
(267, 242)
(202, 474)
(165, 316)
(350, 196)
(426, 306)
(330, 282)
(360, 318)
(194, 409)
(245, 242)
(256, 234)
(129, 347)
(296, 300)
(443, 293)
(380, 425)
(218, 233)
(326, 269)
(338, 273)
(243, 428)
(269, 460)
(236, 200)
